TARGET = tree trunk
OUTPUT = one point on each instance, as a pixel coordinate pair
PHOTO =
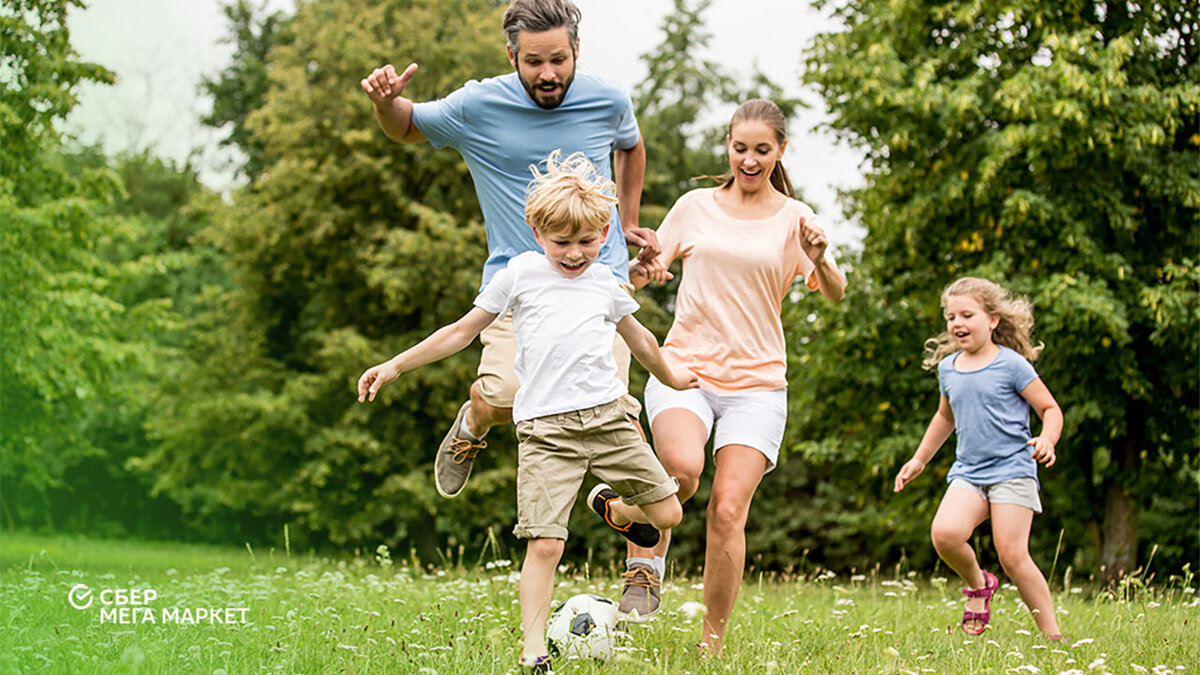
(1118, 556)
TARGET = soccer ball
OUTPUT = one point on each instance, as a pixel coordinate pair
(583, 627)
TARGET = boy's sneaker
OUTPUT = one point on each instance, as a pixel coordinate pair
(642, 534)
(641, 597)
(455, 456)
(534, 664)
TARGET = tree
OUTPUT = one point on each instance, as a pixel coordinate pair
(676, 102)
(241, 87)
(344, 249)
(57, 317)
(1050, 147)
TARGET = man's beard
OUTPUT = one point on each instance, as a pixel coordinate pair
(539, 97)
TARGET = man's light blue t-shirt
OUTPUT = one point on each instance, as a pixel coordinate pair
(991, 419)
(500, 133)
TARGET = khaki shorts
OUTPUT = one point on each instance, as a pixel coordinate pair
(1019, 491)
(556, 451)
(497, 381)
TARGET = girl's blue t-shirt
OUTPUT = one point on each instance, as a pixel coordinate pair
(500, 133)
(991, 418)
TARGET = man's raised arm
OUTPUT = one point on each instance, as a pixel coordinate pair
(393, 112)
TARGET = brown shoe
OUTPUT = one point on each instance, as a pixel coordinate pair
(641, 596)
(455, 456)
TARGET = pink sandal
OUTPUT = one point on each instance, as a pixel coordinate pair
(990, 584)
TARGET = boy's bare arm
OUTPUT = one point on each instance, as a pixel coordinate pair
(645, 349)
(443, 342)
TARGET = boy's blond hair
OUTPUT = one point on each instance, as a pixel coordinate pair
(569, 197)
(1014, 330)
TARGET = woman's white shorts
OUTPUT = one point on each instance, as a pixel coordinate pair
(755, 418)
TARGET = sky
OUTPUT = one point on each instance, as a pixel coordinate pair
(160, 49)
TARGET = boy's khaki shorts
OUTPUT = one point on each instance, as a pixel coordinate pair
(497, 381)
(556, 451)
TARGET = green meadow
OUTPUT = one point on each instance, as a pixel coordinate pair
(227, 610)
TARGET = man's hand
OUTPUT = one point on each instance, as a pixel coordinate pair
(383, 84)
(646, 239)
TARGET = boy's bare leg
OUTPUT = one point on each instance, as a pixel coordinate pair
(1010, 530)
(663, 514)
(536, 592)
(739, 470)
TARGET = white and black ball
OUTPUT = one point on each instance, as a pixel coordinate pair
(583, 627)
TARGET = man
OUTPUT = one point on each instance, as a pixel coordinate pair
(501, 126)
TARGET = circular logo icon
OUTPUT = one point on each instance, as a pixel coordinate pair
(80, 596)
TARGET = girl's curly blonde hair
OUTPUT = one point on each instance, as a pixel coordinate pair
(570, 196)
(1015, 329)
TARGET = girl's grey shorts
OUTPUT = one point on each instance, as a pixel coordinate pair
(1020, 491)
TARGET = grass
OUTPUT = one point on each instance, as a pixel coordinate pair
(369, 614)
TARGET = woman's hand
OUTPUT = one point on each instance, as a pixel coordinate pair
(812, 238)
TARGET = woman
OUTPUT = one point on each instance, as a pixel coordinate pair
(743, 244)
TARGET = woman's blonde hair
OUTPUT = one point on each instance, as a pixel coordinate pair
(1015, 329)
(569, 196)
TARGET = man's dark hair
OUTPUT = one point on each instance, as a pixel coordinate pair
(539, 16)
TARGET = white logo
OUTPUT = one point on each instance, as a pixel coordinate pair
(80, 596)
(133, 606)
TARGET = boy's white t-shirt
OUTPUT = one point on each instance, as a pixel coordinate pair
(565, 330)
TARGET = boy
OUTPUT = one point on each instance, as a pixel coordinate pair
(568, 413)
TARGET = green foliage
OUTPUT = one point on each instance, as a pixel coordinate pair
(241, 87)
(345, 249)
(60, 322)
(38, 73)
(1050, 148)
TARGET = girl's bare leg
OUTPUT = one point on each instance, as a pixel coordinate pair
(960, 513)
(1010, 530)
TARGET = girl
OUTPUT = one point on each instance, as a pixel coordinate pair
(742, 245)
(988, 386)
